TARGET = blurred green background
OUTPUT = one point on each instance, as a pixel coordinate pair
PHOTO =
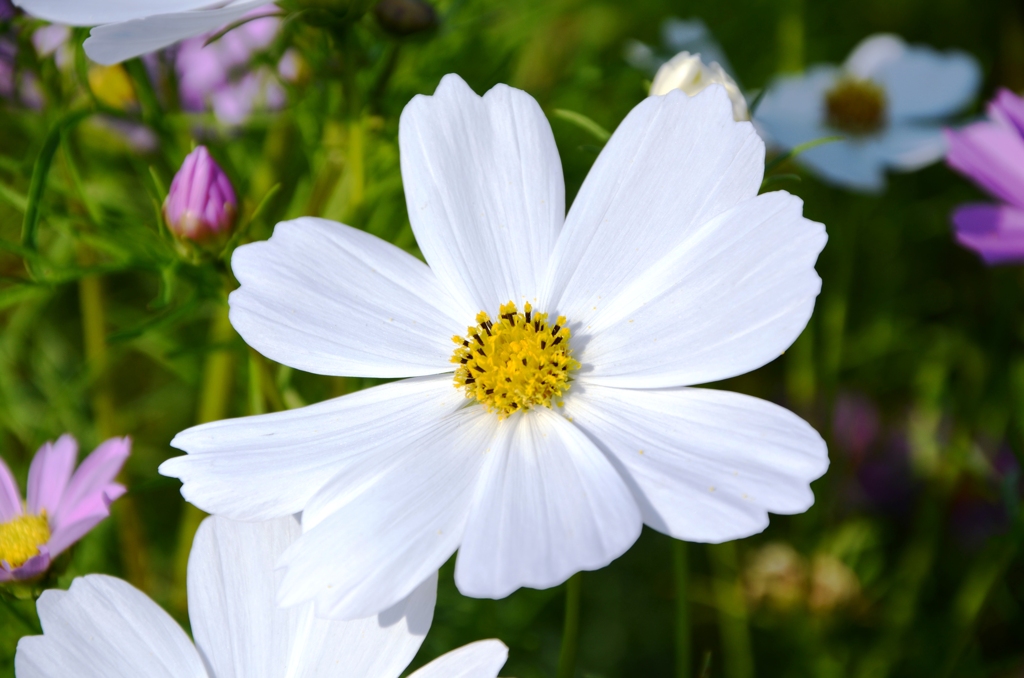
(912, 367)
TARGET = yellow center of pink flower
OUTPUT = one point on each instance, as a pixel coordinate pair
(515, 363)
(21, 538)
(855, 106)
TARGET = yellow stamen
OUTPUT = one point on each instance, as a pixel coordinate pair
(855, 106)
(516, 363)
(21, 538)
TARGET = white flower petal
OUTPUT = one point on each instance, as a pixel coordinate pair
(103, 627)
(674, 163)
(483, 183)
(550, 505)
(242, 633)
(390, 518)
(910, 147)
(326, 298)
(731, 297)
(919, 82)
(705, 465)
(857, 164)
(283, 459)
(95, 12)
(874, 53)
(126, 37)
(482, 659)
(792, 111)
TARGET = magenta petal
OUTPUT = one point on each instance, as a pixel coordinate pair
(10, 498)
(93, 477)
(995, 232)
(1008, 108)
(33, 567)
(49, 474)
(992, 155)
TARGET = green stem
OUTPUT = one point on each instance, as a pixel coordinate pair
(737, 655)
(134, 554)
(680, 568)
(571, 630)
(214, 394)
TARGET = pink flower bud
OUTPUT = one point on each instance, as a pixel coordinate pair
(201, 205)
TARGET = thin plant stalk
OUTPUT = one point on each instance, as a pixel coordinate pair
(571, 629)
(680, 569)
(737, 654)
(134, 552)
(214, 394)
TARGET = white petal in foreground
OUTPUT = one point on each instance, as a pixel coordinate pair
(95, 12)
(484, 188)
(330, 299)
(391, 518)
(241, 632)
(705, 465)
(283, 459)
(550, 505)
(143, 32)
(105, 628)
(731, 297)
(482, 659)
(674, 163)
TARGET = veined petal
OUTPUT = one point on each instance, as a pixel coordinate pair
(49, 474)
(919, 82)
(483, 183)
(95, 12)
(330, 299)
(390, 518)
(283, 459)
(482, 659)
(674, 163)
(705, 465)
(992, 155)
(241, 632)
(730, 298)
(130, 37)
(92, 482)
(10, 497)
(103, 627)
(550, 505)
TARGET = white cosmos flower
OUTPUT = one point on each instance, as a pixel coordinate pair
(669, 270)
(129, 28)
(689, 73)
(105, 628)
(888, 100)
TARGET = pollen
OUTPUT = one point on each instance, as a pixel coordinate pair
(519, 362)
(855, 106)
(21, 538)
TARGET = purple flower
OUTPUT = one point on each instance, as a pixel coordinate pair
(63, 503)
(218, 75)
(201, 204)
(991, 153)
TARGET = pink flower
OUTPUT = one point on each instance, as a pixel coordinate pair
(63, 503)
(201, 205)
(991, 154)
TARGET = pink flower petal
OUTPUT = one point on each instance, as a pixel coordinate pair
(995, 232)
(10, 498)
(33, 567)
(49, 474)
(95, 475)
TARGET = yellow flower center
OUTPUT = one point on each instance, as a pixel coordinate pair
(516, 363)
(855, 106)
(20, 538)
